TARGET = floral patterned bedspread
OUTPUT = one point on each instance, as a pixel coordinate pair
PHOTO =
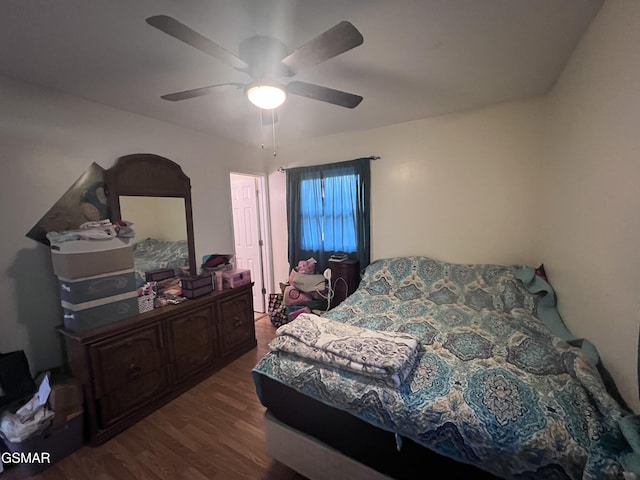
(491, 385)
(152, 254)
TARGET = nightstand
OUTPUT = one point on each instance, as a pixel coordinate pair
(345, 278)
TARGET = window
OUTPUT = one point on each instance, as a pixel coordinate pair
(327, 211)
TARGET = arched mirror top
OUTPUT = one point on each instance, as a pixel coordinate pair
(151, 176)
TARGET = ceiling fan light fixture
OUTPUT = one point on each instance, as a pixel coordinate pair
(266, 97)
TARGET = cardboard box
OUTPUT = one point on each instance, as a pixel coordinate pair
(66, 400)
(85, 258)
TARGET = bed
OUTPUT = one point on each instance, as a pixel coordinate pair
(499, 389)
(152, 254)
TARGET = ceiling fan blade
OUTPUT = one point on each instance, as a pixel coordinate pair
(196, 92)
(173, 27)
(324, 94)
(338, 39)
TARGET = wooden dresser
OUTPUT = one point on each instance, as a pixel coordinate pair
(130, 368)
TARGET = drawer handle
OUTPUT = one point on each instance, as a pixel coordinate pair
(237, 322)
(134, 372)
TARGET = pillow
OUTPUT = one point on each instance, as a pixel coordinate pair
(144, 245)
(292, 274)
(309, 283)
(293, 296)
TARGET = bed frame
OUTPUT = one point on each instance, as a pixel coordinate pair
(310, 457)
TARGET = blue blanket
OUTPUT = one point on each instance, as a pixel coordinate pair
(493, 385)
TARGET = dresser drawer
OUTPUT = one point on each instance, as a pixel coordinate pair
(122, 360)
(131, 396)
(236, 322)
(192, 342)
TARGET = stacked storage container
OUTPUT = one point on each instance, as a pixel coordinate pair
(97, 282)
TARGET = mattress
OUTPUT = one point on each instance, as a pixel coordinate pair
(355, 438)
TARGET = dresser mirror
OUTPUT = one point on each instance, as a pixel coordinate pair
(154, 194)
(155, 217)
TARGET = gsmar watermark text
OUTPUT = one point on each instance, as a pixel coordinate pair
(22, 457)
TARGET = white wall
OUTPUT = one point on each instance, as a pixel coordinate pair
(590, 193)
(47, 140)
(459, 188)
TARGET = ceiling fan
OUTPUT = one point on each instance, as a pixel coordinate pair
(266, 60)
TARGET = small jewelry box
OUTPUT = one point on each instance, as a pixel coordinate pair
(235, 278)
(159, 274)
(193, 287)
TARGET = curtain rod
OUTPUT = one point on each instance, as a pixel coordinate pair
(370, 157)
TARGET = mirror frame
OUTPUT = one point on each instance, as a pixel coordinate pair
(150, 175)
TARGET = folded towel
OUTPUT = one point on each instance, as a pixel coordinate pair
(384, 355)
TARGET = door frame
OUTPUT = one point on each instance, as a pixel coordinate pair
(264, 228)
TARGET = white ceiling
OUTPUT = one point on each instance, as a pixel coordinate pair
(420, 58)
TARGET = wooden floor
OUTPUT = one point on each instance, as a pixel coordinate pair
(213, 431)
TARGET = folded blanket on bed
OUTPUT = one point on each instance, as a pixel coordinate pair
(384, 355)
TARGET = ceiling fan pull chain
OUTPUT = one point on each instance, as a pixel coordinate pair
(273, 129)
(261, 130)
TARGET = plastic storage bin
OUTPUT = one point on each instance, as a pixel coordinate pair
(80, 290)
(85, 258)
(58, 442)
(88, 315)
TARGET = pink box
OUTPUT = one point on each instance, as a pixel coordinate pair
(235, 278)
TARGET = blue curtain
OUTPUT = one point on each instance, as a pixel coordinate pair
(328, 211)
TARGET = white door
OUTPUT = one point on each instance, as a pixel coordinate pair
(246, 231)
